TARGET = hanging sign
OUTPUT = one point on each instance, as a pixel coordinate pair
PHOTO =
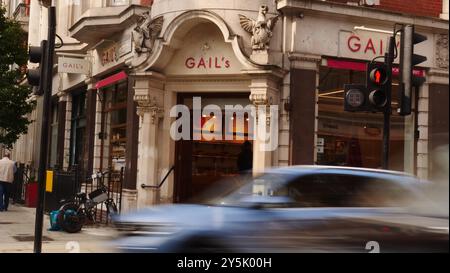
(73, 65)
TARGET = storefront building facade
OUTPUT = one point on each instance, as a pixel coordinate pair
(145, 61)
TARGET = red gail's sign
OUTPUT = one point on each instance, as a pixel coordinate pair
(369, 45)
(366, 45)
(218, 62)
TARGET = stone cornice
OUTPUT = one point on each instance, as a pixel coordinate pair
(437, 76)
(293, 56)
(272, 72)
(359, 12)
(148, 74)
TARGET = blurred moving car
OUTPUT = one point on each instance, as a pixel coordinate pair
(297, 209)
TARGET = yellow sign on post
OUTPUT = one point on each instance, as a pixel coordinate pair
(49, 182)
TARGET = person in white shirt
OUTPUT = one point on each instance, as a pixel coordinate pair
(7, 170)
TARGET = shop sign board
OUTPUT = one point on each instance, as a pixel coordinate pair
(73, 65)
(367, 45)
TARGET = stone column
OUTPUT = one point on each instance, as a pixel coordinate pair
(303, 114)
(93, 122)
(422, 127)
(149, 95)
(265, 90)
(67, 132)
(432, 146)
(427, 114)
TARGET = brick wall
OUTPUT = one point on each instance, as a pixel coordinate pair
(146, 2)
(431, 8)
(417, 7)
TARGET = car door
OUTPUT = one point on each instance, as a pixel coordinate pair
(334, 212)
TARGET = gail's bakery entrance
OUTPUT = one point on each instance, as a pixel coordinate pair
(219, 148)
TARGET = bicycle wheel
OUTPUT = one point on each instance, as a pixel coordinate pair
(70, 219)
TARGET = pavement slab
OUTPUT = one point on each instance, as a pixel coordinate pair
(17, 234)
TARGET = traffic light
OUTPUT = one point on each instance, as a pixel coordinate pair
(372, 97)
(35, 77)
(378, 82)
(355, 98)
(407, 62)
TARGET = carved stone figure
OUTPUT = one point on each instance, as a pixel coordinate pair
(442, 51)
(261, 29)
(146, 33)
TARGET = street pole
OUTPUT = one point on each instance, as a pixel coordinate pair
(47, 84)
(389, 59)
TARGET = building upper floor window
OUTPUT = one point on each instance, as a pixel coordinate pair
(119, 2)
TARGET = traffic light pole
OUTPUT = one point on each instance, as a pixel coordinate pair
(389, 59)
(47, 88)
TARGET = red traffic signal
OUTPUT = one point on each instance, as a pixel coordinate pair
(378, 75)
(377, 85)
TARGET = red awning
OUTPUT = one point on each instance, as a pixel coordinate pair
(342, 64)
(111, 80)
(362, 66)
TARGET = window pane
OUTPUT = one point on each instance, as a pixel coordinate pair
(346, 191)
(119, 2)
(354, 138)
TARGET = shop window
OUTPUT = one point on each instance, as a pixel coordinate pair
(77, 8)
(217, 152)
(118, 2)
(115, 125)
(78, 128)
(355, 139)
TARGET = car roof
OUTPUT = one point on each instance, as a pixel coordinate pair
(310, 169)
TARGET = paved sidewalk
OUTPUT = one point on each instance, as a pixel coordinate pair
(17, 235)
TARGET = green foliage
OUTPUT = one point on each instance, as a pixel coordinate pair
(14, 98)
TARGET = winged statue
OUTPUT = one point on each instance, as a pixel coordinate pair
(261, 28)
(146, 33)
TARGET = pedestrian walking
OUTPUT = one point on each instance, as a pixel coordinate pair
(7, 170)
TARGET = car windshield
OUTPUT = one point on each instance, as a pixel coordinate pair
(246, 189)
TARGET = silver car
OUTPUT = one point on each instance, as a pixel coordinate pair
(296, 209)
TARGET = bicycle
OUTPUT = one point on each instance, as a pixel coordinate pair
(73, 215)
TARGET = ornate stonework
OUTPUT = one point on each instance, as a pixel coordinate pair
(260, 99)
(261, 29)
(147, 104)
(442, 51)
(146, 33)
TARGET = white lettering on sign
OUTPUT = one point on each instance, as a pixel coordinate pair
(73, 65)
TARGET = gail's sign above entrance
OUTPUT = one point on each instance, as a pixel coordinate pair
(202, 54)
(367, 45)
(208, 63)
